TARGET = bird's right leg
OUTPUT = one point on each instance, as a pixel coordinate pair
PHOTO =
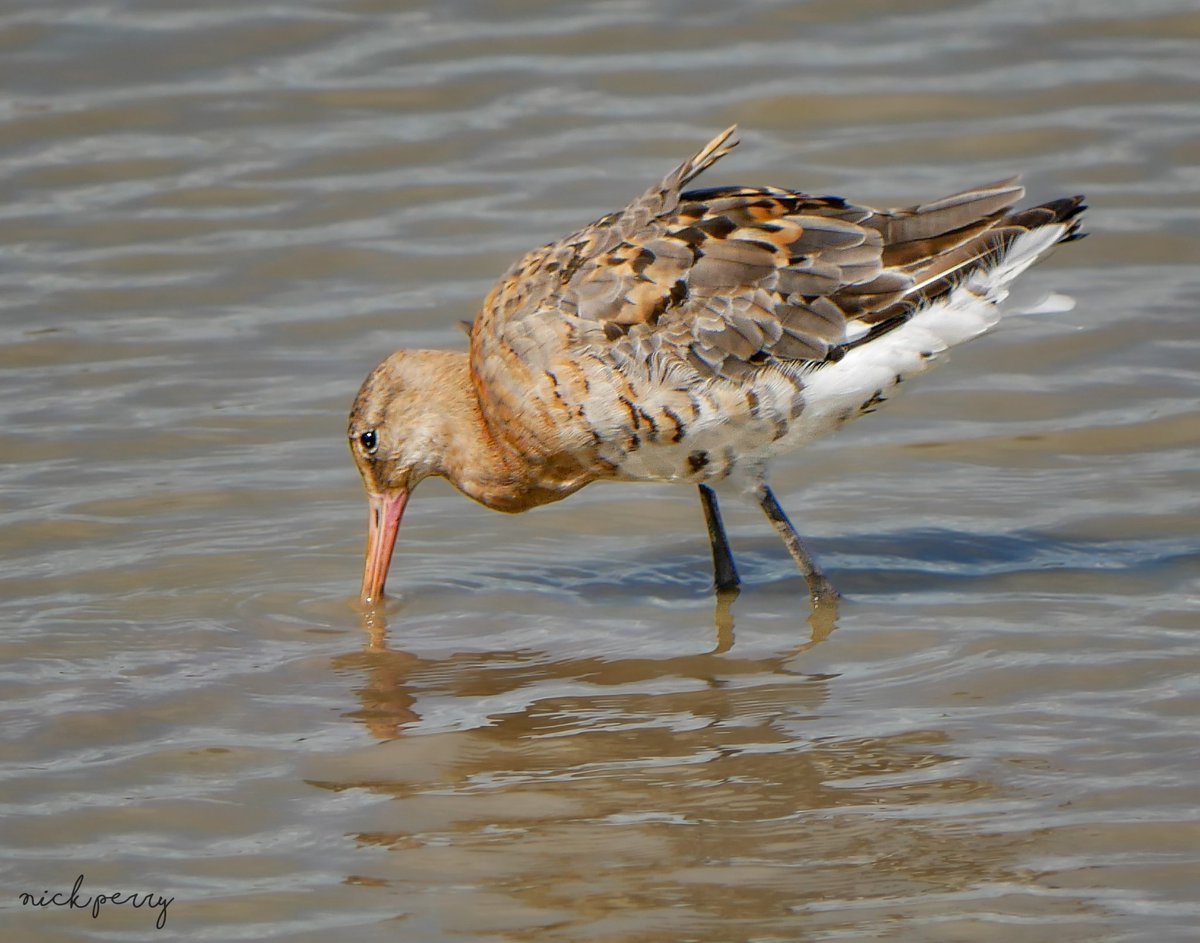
(724, 570)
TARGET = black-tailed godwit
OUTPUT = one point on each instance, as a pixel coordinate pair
(690, 338)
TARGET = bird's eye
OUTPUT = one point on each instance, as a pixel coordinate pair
(369, 441)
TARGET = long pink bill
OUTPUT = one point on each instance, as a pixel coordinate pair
(386, 511)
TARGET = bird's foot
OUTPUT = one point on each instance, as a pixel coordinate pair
(824, 598)
(823, 592)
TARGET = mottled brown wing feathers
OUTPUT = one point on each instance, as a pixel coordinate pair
(731, 278)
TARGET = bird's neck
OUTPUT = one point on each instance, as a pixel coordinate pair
(477, 458)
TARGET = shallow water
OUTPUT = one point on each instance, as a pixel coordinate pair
(216, 218)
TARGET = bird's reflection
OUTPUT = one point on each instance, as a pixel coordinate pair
(587, 788)
(388, 700)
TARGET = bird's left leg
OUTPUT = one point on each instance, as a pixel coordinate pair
(818, 582)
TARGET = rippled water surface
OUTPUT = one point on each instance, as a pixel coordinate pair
(217, 216)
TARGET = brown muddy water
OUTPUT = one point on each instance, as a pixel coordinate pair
(217, 216)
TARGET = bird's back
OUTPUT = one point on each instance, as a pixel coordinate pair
(696, 333)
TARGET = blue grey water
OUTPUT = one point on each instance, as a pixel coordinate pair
(216, 218)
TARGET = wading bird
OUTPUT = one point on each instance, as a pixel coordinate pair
(689, 338)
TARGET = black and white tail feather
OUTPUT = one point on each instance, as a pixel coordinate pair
(969, 300)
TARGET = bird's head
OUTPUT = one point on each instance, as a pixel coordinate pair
(395, 438)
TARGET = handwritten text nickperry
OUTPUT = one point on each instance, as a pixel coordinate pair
(118, 899)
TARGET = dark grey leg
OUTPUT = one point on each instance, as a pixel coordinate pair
(818, 584)
(724, 570)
